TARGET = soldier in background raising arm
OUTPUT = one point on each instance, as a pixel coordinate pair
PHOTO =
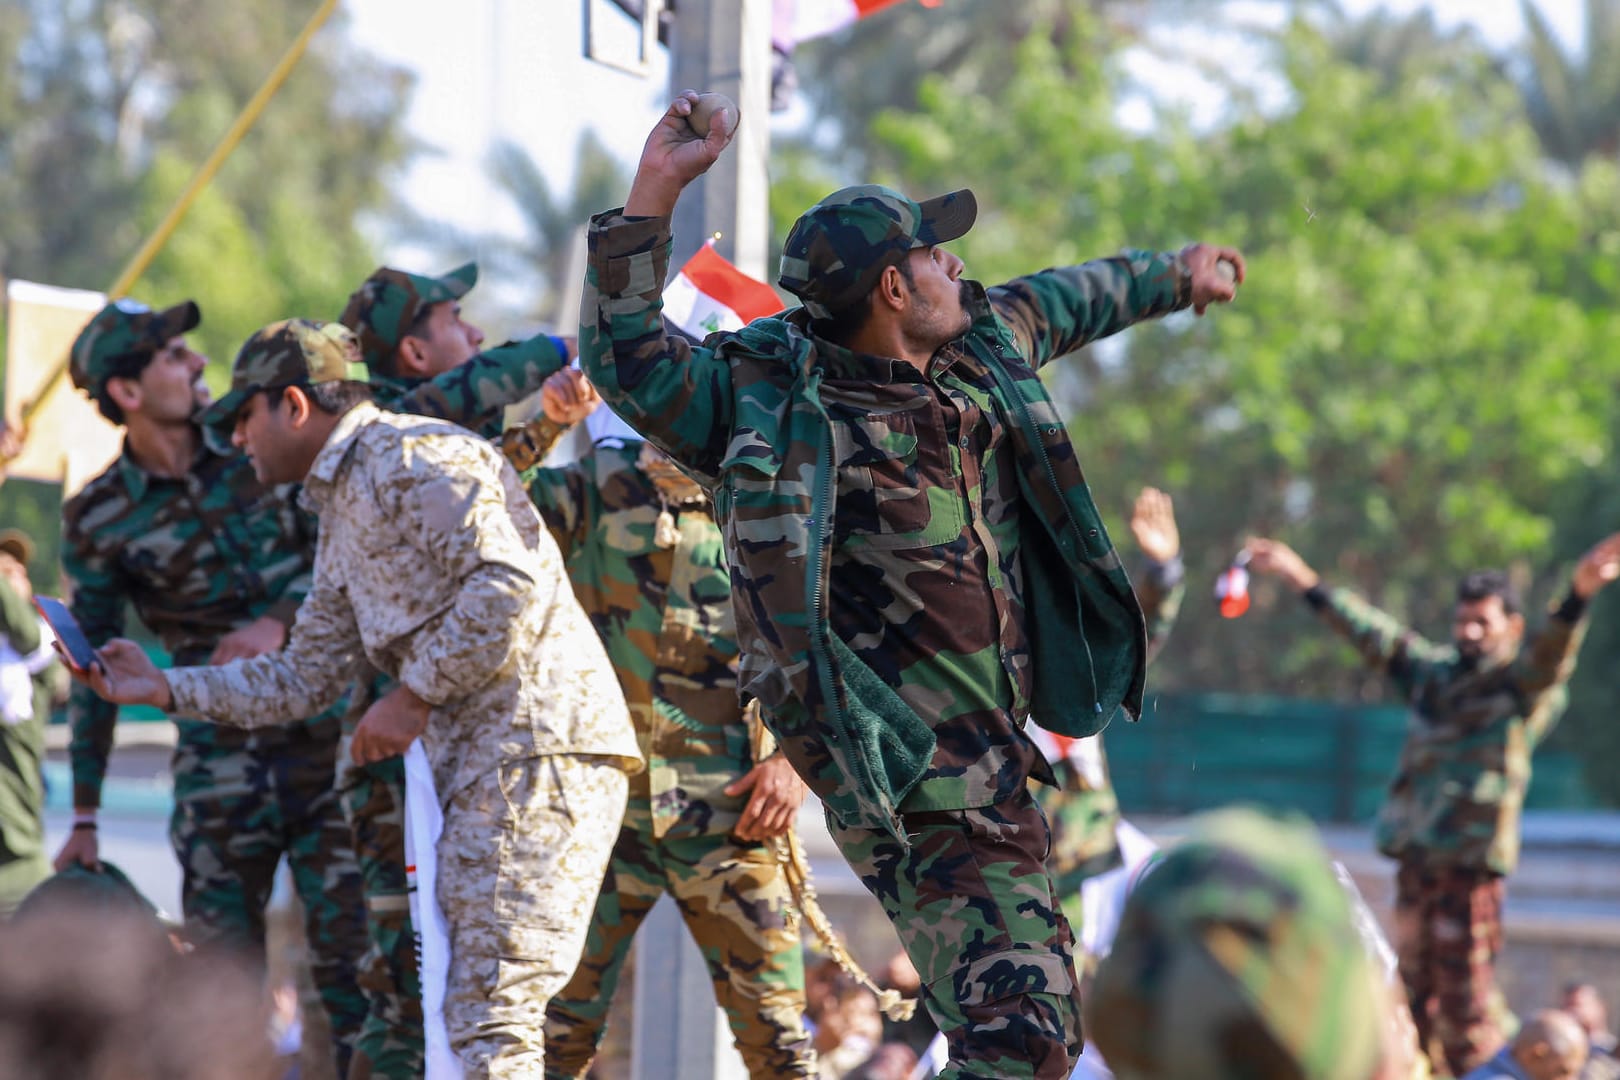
(1479, 707)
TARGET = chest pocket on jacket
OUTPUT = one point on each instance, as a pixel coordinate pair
(890, 495)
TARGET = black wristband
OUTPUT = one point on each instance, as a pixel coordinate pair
(1572, 609)
(77, 825)
(1316, 596)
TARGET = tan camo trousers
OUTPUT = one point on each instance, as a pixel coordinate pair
(521, 859)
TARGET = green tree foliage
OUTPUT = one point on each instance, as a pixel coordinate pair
(1418, 378)
(107, 107)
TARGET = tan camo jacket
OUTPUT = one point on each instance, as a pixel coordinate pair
(432, 564)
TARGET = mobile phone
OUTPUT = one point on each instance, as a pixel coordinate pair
(67, 630)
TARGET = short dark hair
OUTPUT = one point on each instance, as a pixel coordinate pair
(843, 325)
(1484, 584)
(127, 365)
(332, 398)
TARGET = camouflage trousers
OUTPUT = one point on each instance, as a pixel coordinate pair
(237, 811)
(977, 913)
(734, 898)
(1448, 932)
(521, 859)
(390, 1042)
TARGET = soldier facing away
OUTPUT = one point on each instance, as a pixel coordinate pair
(645, 557)
(1478, 709)
(433, 567)
(916, 562)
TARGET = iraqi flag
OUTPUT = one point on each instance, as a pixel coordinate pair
(813, 18)
(710, 295)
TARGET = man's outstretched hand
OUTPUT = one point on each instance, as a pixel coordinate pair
(1597, 567)
(1153, 523)
(124, 675)
(1210, 283)
(674, 156)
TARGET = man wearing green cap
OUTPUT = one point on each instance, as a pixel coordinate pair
(412, 335)
(433, 568)
(916, 562)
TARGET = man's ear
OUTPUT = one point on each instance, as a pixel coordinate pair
(125, 392)
(410, 361)
(1517, 622)
(891, 288)
(299, 407)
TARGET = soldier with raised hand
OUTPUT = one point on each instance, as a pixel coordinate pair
(421, 355)
(916, 562)
(1478, 709)
(644, 554)
(433, 568)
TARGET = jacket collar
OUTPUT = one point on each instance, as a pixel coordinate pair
(135, 476)
(323, 471)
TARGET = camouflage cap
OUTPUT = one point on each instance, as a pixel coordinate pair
(838, 248)
(1237, 957)
(292, 352)
(382, 310)
(125, 328)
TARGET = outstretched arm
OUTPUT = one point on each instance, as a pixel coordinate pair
(1547, 661)
(1055, 312)
(475, 394)
(1381, 639)
(1161, 586)
(675, 394)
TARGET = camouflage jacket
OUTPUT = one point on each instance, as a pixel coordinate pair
(433, 568)
(1465, 766)
(22, 742)
(475, 394)
(664, 614)
(750, 415)
(201, 556)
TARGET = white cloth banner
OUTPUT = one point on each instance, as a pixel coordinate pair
(424, 820)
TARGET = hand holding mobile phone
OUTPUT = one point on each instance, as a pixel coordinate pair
(81, 657)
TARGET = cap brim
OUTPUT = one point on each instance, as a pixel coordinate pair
(183, 318)
(220, 416)
(460, 281)
(947, 217)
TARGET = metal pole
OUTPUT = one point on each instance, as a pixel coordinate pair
(725, 46)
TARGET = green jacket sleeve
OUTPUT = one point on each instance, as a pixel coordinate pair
(1160, 589)
(1382, 640)
(1545, 664)
(676, 394)
(98, 592)
(19, 625)
(1055, 312)
(475, 394)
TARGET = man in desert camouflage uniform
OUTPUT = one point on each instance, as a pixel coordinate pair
(433, 568)
(644, 554)
(416, 345)
(1081, 808)
(180, 528)
(916, 562)
(1238, 957)
(1478, 709)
